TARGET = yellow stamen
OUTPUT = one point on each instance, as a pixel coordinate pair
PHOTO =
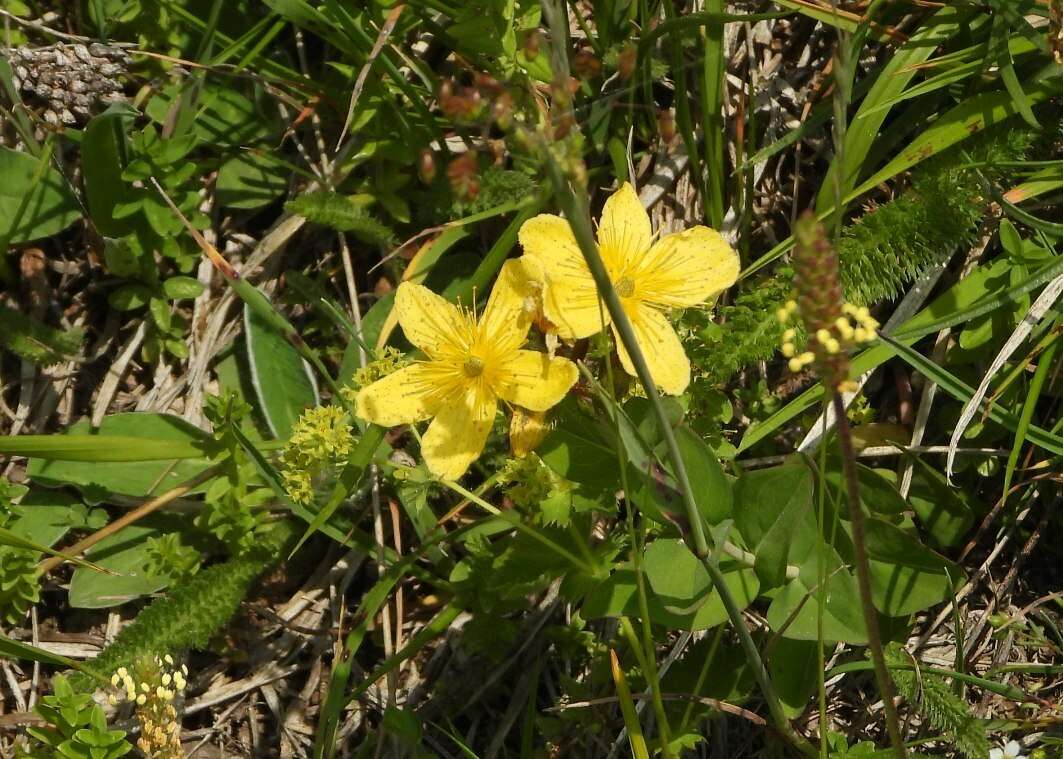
(624, 287)
(473, 366)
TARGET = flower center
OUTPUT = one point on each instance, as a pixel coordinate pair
(624, 287)
(473, 366)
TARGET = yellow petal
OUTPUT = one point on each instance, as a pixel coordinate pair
(433, 324)
(534, 380)
(409, 395)
(456, 436)
(624, 231)
(570, 299)
(668, 362)
(526, 430)
(686, 268)
(513, 304)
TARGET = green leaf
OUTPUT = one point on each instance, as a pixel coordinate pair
(794, 667)
(222, 116)
(943, 510)
(126, 554)
(251, 179)
(906, 576)
(45, 516)
(35, 341)
(180, 288)
(577, 450)
(103, 152)
(675, 574)
(618, 595)
(877, 493)
(283, 380)
(130, 297)
(35, 200)
(13, 649)
(711, 489)
(773, 513)
(117, 460)
(795, 609)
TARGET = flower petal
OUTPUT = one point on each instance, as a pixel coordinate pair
(1012, 749)
(513, 304)
(534, 380)
(526, 430)
(570, 299)
(456, 436)
(668, 362)
(996, 754)
(432, 323)
(686, 268)
(624, 232)
(409, 395)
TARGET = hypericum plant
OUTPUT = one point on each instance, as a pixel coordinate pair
(471, 365)
(652, 278)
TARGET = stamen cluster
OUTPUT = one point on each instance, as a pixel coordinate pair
(152, 688)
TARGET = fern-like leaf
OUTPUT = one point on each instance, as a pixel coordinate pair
(194, 611)
(931, 696)
(331, 209)
(35, 341)
(881, 253)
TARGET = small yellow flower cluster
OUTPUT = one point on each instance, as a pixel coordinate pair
(386, 361)
(320, 441)
(160, 682)
(855, 328)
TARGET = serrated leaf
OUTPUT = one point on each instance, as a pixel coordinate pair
(331, 209)
(37, 342)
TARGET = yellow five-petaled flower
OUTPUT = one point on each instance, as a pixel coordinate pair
(678, 271)
(469, 366)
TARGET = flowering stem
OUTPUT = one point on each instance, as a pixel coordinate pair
(577, 213)
(863, 574)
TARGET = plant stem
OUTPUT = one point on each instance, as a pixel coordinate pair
(575, 208)
(863, 574)
(648, 662)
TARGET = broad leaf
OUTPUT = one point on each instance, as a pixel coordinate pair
(283, 381)
(35, 200)
(171, 454)
(942, 509)
(906, 576)
(773, 513)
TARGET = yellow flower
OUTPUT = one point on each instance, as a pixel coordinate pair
(470, 364)
(677, 271)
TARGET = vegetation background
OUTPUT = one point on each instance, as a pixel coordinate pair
(205, 209)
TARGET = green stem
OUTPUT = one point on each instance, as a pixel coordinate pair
(575, 208)
(648, 664)
(863, 575)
